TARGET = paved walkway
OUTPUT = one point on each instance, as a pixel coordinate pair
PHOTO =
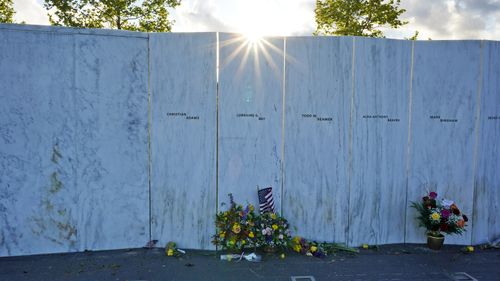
(392, 262)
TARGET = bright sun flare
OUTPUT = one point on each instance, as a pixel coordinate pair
(252, 37)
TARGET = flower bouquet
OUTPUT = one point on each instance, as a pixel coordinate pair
(308, 248)
(316, 249)
(235, 227)
(438, 217)
(273, 233)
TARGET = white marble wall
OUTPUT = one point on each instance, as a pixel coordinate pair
(73, 141)
(318, 88)
(250, 118)
(445, 86)
(486, 213)
(379, 141)
(183, 86)
(76, 169)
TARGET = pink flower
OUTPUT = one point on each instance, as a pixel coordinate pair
(433, 195)
(445, 213)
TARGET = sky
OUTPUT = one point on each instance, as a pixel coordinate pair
(436, 19)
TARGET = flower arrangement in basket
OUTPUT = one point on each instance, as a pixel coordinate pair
(273, 233)
(438, 217)
(235, 227)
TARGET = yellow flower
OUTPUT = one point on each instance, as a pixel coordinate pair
(365, 246)
(297, 248)
(170, 252)
(251, 207)
(275, 226)
(273, 216)
(251, 235)
(469, 249)
(435, 216)
(296, 239)
(314, 248)
(231, 242)
(282, 256)
(222, 234)
(243, 242)
(236, 228)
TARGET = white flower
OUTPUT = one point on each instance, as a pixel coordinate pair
(453, 219)
(269, 230)
(446, 203)
(263, 232)
(280, 236)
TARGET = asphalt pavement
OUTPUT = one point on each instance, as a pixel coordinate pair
(389, 262)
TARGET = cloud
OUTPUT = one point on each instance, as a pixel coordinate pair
(452, 19)
(197, 16)
(31, 12)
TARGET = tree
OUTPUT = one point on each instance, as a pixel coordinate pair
(414, 37)
(357, 17)
(6, 11)
(147, 15)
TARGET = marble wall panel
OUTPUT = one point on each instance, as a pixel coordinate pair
(379, 141)
(486, 218)
(317, 110)
(183, 138)
(443, 120)
(38, 165)
(250, 118)
(111, 102)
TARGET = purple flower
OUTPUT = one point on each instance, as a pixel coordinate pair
(433, 195)
(245, 213)
(319, 254)
(445, 213)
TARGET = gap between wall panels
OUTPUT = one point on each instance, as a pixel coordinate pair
(410, 92)
(217, 63)
(283, 114)
(351, 109)
(476, 140)
(150, 160)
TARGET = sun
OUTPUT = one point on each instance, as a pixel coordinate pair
(253, 38)
(253, 34)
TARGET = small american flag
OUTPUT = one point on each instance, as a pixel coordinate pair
(266, 202)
